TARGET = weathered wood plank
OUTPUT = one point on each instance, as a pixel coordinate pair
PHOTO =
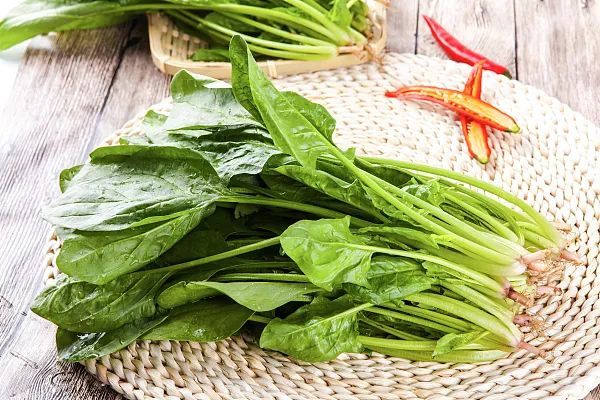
(137, 84)
(486, 26)
(558, 51)
(61, 86)
(402, 26)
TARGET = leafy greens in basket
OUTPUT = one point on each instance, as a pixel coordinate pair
(237, 212)
(287, 29)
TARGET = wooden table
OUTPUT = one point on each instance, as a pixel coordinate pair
(76, 88)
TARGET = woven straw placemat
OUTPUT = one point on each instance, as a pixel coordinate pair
(553, 165)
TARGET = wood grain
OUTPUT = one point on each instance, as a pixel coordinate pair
(402, 26)
(485, 25)
(558, 49)
(47, 124)
(137, 84)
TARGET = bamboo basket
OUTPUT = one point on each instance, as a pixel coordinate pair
(171, 50)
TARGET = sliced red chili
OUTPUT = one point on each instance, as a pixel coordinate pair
(476, 137)
(461, 103)
(473, 84)
(475, 133)
(457, 51)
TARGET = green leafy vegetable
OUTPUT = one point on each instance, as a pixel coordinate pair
(321, 250)
(237, 211)
(84, 307)
(204, 321)
(318, 331)
(257, 296)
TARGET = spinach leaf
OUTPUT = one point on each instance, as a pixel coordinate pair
(390, 279)
(349, 192)
(84, 307)
(340, 14)
(292, 132)
(99, 257)
(197, 244)
(200, 102)
(35, 17)
(204, 321)
(207, 118)
(66, 175)
(126, 186)
(257, 296)
(322, 251)
(83, 346)
(319, 331)
(315, 113)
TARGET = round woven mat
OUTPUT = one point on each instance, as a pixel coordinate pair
(553, 165)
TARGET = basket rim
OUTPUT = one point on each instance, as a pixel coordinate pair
(169, 64)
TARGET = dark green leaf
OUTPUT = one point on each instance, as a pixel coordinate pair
(84, 307)
(99, 257)
(35, 17)
(319, 331)
(125, 186)
(349, 192)
(322, 249)
(315, 113)
(292, 132)
(257, 296)
(201, 102)
(390, 279)
(83, 346)
(204, 321)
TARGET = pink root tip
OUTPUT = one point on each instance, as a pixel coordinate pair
(522, 319)
(532, 257)
(530, 348)
(570, 256)
(518, 297)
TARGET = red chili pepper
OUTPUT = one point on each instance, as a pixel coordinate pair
(475, 133)
(461, 103)
(458, 51)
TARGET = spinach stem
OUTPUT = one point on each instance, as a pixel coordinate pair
(398, 344)
(483, 279)
(466, 311)
(259, 318)
(265, 276)
(546, 227)
(292, 205)
(328, 49)
(415, 320)
(431, 315)
(341, 36)
(456, 226)
(389, 329)
(371, 181)
(456, 356)
(221, 256)
(278, 32)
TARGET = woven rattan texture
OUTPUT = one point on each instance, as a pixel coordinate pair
(553, 164)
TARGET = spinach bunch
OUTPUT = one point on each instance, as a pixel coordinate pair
(238, 212)
(288, 29)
